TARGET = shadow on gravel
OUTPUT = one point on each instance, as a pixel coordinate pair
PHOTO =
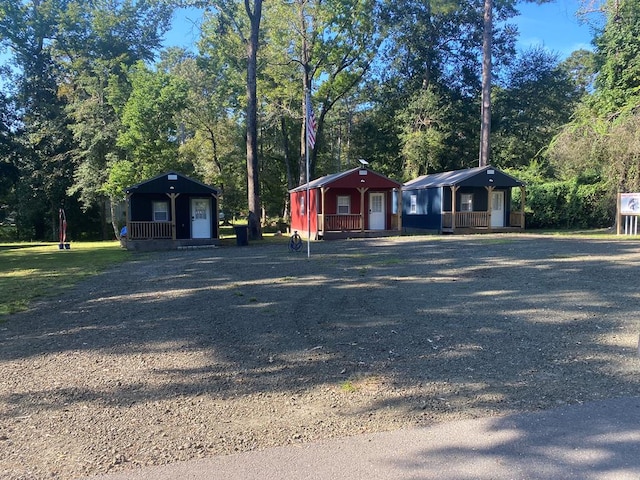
(413, 324)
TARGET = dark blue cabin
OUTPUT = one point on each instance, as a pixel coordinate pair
(171, 211)
(463, 201)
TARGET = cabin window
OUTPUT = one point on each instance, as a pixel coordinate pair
(466, 202)
(344, 205)
(302, 212)
(413, 207)
(160, 211)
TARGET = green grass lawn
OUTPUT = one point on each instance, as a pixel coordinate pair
(32, 270)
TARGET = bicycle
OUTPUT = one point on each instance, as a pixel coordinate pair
(295, 242)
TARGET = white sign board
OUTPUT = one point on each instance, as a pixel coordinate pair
(630, 203)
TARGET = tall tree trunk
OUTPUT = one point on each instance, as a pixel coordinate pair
(485, 122)
(253, 185)
(305, 58)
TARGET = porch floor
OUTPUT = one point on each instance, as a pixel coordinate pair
(341, 235)
(162, 244)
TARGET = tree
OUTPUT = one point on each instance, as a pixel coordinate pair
(28, 28)
(485, 115)
(618, 58)
(99, 42)
(210, 127)
(241, 20)
(332, 42)
(424, 133)
(532, 104)
(150, 134)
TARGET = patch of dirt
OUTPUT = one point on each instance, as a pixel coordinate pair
(182, 355)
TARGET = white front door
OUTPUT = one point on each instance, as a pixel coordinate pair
(200, 218)
(376, 211)
(497, 209)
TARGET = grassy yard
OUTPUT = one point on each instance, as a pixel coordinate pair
(29, 270)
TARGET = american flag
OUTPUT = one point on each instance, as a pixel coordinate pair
(311, 124)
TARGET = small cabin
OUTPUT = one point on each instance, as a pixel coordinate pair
(473, 200)
(354, 203)
(171, 211)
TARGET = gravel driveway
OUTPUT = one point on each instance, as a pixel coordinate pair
(188, 354)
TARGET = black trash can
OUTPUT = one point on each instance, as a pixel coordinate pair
(242, 235)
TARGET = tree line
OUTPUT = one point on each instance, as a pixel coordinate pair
(91, 102)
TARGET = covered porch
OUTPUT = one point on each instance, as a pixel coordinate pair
(350, 225)
(493, 219)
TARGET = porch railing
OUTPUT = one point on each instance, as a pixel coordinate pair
(149, 230)
(341, 223)
(479, 219)
(466, 219)
(516, 219)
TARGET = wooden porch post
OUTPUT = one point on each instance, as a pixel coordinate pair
(454, 189)
(215, 195)
(127, 219)
(323, 192)
(173, 197)
(522, 202)
(400, 209)
(362, 191)
(489, 206)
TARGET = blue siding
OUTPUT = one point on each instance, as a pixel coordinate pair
(429, 209)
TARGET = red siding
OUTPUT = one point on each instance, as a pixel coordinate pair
(299, 218)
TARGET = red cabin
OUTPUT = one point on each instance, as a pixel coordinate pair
(355, 203)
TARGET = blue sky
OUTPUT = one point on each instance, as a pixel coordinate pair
(553, 25)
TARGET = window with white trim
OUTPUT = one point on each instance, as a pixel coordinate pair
(466, 202)
(160, 211)
(413, 206)
(344, 204)
(302, 210)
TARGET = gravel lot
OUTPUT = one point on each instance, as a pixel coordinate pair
(188, 354)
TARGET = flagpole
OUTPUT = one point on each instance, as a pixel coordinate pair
(306, 130)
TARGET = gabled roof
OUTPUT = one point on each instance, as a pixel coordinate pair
(471, 177)
(334, 177)
(172, 182)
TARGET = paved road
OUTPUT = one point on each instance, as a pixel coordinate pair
(599, 440)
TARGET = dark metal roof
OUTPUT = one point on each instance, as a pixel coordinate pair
(172, 182)
(471, 177)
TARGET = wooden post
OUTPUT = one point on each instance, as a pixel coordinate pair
(522, 203)
(362, 191)
(489, 206)
(127, 219)
(173, 197)
(323, 192)
(454, 190)
(400, 209)
(618, 216)
(215, 195)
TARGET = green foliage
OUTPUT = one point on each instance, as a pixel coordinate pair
(537, 99)
(579, 202)
(86, 111)
(149, 133)
(424, 131)
(618, 58)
